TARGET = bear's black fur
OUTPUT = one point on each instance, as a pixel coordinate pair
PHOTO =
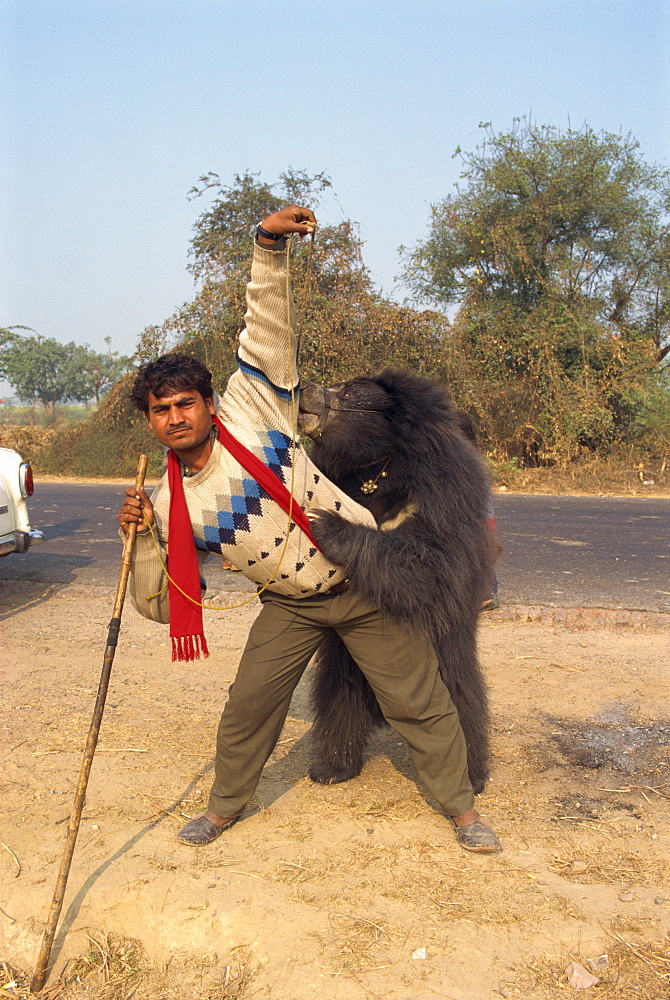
(429, 565)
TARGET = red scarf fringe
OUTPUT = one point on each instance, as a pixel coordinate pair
(189, 647)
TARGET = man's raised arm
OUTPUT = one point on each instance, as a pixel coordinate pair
(266, 380)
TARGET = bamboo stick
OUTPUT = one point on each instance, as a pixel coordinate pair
(91, 743)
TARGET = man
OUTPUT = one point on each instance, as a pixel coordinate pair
(209, 494)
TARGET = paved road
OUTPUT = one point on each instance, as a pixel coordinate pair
(604, 552)
(563, 551)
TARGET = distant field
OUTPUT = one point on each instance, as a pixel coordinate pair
(36, 416)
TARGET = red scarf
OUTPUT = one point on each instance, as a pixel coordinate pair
(186, 628)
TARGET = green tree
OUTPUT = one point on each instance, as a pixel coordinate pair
(104, 369)
(542, 212)
(43, 369)
(556, 249)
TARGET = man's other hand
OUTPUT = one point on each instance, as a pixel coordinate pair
(136, 509)
(291, 219)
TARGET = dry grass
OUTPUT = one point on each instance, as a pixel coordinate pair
(640, 970)
(425, 877)
(365, 805)
(236, 979)
(388, 808)
(114, 962)
(14, 982)
(116, 968)
(610, 866)
(296, 828)
(614, 475)
(297, 872)
(111, 969)
(354, 944)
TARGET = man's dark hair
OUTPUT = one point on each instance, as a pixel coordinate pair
(168, 375)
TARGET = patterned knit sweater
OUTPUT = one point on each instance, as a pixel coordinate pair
(230, 513)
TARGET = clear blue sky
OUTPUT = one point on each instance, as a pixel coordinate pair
(112, 109)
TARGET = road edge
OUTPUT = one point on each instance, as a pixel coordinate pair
(580, 618)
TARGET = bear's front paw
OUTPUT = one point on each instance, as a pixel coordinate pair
(326, 524)
(329, 531)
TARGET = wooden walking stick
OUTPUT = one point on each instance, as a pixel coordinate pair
(91, 743)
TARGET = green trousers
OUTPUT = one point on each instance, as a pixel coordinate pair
(400, 666)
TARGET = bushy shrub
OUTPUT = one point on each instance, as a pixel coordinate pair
(107, 444)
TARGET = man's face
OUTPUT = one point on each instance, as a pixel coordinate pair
(181, 421)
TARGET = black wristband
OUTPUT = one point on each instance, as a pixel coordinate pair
(275, 237)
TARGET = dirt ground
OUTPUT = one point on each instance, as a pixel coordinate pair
(343, 892)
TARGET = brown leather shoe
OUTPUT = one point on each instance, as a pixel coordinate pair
(200, 831)
(479, 838)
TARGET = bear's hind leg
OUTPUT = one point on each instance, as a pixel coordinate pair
(478, 758)
(472, 707)
(463, 677)
(345, 711)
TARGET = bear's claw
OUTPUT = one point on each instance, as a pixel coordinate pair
(324, 774)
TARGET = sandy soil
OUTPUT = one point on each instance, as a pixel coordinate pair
(343, 892)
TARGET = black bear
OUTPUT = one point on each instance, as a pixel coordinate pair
(394, 444)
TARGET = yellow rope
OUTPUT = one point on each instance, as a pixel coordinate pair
(294, 427)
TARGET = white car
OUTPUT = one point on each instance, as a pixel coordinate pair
(16, 483)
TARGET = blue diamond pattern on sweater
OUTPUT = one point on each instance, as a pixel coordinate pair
(221, 526)
(276, 451)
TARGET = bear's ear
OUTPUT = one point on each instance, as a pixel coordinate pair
(415, 398)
